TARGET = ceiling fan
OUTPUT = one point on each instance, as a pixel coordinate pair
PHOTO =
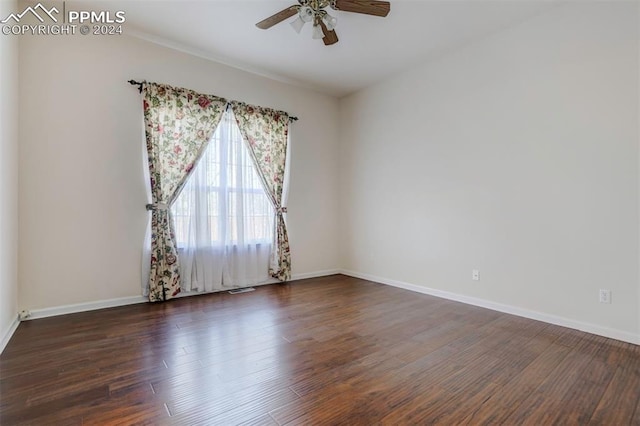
(323, 23)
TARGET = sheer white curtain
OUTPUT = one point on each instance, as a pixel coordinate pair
(223, 219)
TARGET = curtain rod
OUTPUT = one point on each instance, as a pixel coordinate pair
(140, 83)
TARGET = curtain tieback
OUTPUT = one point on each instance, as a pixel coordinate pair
(157, 206)
(281, 210)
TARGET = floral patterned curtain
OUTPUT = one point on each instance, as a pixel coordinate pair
(178, 125)
(265, 131)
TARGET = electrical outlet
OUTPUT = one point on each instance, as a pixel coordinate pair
(24, 314)
(605, 296)
(475, 275)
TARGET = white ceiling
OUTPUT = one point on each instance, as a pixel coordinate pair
(370, 48)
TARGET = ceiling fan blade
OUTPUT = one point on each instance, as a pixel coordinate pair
(277, 18)
(368, 7)
(330, 37)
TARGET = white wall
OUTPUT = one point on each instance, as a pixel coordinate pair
(8, 177)
(82, 196)
(518, 156)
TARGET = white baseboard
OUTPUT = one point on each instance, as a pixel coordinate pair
(84, 307)
(6, 336)
(316, 274)
(508, 309)
(123, 301)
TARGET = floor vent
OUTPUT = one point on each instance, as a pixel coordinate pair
(241, 290)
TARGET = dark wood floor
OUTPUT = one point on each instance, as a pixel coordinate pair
(334, 350)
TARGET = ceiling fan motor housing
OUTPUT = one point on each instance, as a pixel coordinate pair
(317, 4)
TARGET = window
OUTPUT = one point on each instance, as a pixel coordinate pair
(223, 202)
(223, 220)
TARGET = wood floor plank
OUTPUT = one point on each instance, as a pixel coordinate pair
(330, 350)
(617, 405)
(263, 420)
(564, 383)
(501, 404)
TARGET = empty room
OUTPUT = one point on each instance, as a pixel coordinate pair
(319, 212)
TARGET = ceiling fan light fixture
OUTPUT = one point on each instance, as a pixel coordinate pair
(330, 21)
(317, 32)
(306, 13)
(298, 24)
